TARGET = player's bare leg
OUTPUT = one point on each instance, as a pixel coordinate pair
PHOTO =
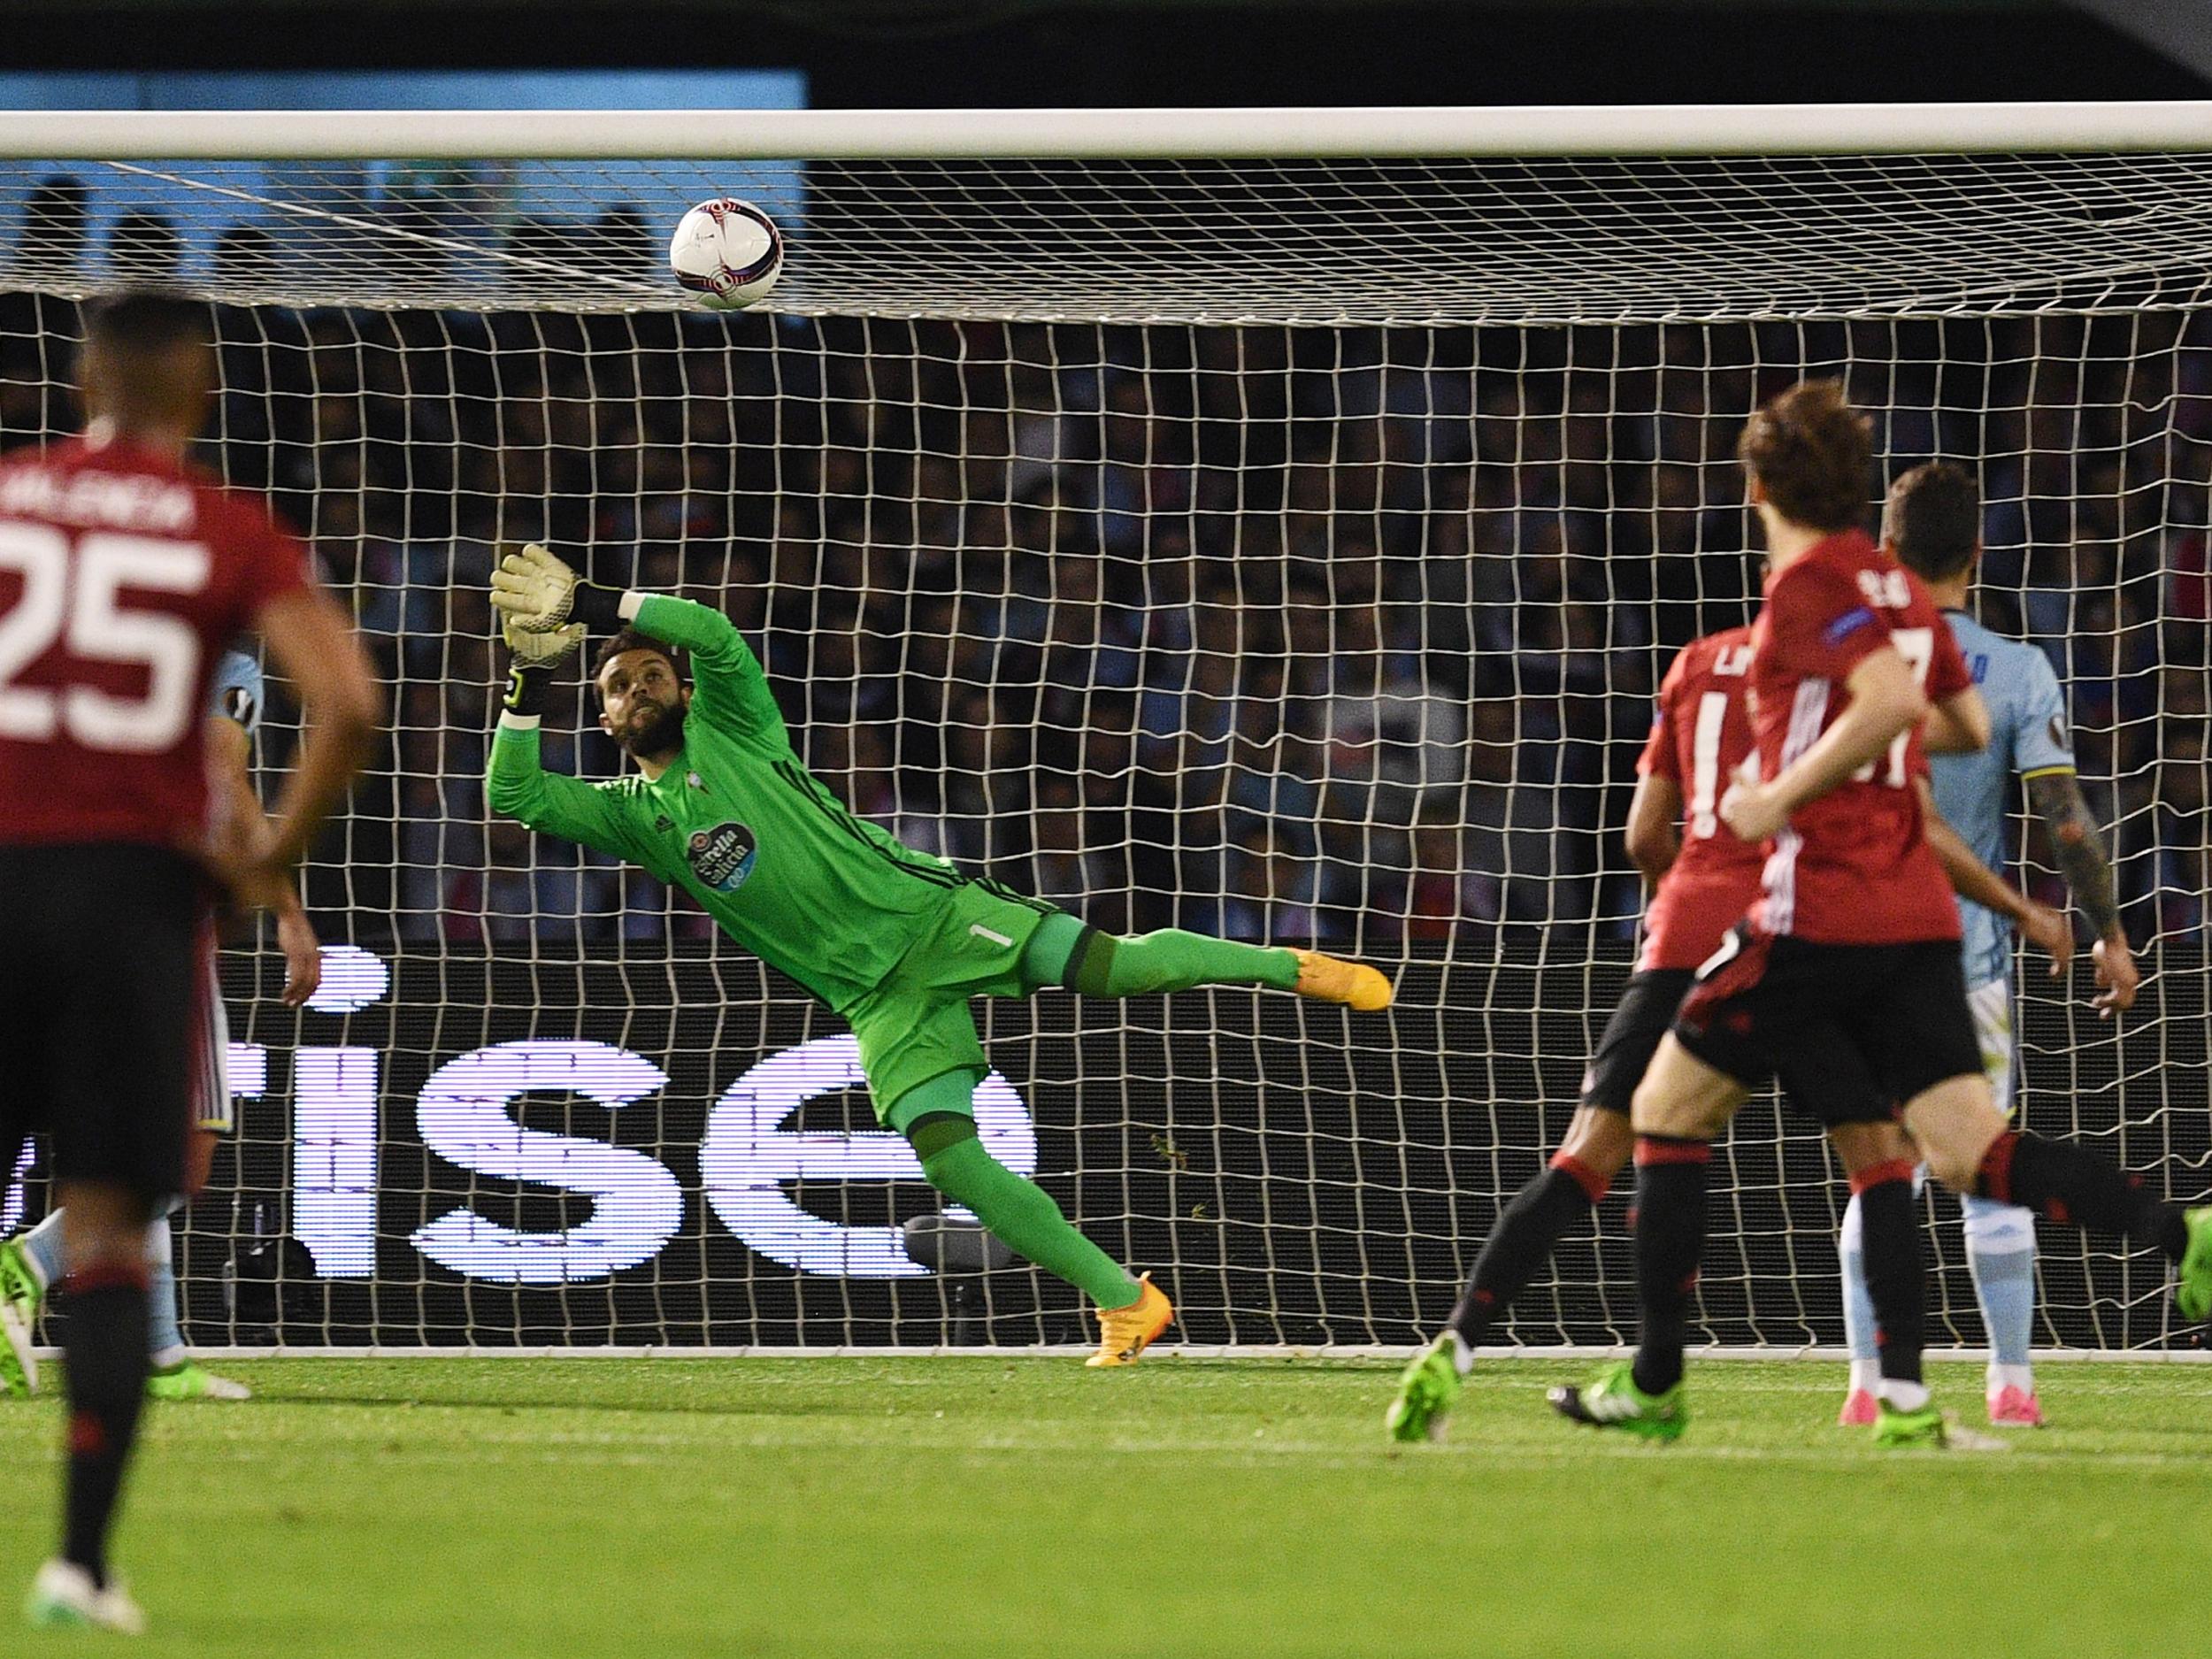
(1970, 1148)
(1596, 1149)
(104, 1342)
(1679, 1107)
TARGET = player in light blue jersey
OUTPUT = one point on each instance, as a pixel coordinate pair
(1932, 526)
(30, 1263)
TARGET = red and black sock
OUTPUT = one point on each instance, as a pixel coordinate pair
(1670, 1239)
(1889, 1228)
(1522, 1240)
(2069, 1183)
(104, 1341)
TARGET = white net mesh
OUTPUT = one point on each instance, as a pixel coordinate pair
(1514, 241)
(1070, 554)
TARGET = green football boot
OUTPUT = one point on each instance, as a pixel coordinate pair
(1615, 1402)
(1425, 1394)
(1895, 1430)
(2193, 1295)
(21, 1295)
(188, 1379)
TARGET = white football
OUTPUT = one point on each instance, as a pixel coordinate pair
(727, 252)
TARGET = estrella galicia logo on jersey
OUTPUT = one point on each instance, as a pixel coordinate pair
(1849, 622)
(722, 857)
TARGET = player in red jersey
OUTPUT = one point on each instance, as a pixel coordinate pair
(123, 573)
(1846, 977)
(1702, 879)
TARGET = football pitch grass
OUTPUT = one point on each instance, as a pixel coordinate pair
(972, 1506)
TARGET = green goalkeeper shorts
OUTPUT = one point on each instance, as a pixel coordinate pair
(915, 1027)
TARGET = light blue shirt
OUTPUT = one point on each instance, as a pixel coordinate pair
(237, 691)
(2028, 736)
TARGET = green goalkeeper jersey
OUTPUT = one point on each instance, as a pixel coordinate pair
(739, 824)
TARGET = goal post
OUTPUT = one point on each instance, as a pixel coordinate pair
(1268, 522)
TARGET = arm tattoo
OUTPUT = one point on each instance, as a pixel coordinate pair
(2056, 798)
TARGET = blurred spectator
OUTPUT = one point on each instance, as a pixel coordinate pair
(1389, 736)
(624, 243)
(1273, 892)
(245, 258)
(145, 247)
(51, 240)
(2182, 832)
(1344, 635)
(1447, 895)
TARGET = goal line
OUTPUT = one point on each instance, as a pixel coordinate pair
(1277, 1351)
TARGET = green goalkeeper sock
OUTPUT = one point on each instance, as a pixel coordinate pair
(1018, 1212)
(1063, 952)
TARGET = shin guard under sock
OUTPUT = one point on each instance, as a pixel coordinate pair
(1670, 1239)
(1173, 960)
(1889, 1244)
(1018, 1212)
(2072, 1184)
(103, 1342)
(1521, 1241)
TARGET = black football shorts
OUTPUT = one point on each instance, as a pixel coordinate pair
(1851, 1031)
(101, 1025)
(1640, 1019)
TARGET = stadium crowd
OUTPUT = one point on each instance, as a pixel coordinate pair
(1290, 635)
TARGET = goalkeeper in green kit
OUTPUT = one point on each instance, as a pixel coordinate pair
(894, 940)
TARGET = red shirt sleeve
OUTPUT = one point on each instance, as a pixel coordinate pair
(1820, 626)
(1948, 672)
(269, 560)
(1660, 758)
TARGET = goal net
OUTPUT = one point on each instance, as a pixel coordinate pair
(1281, 546)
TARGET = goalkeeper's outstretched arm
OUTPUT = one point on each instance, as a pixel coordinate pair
(536, 591)
(515, 784)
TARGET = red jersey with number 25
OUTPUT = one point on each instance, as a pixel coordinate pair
(1853, 867)
(123, 574)
(1699, 733)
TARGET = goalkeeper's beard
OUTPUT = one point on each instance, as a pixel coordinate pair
(657, 737)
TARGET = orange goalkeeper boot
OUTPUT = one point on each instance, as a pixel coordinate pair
(1126, 1332)
(1332, 979)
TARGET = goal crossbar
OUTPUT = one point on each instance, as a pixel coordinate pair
(2175, 125)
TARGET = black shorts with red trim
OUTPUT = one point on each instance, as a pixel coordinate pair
(1640, 1019)
(101, 1025)
(1851, 1031)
